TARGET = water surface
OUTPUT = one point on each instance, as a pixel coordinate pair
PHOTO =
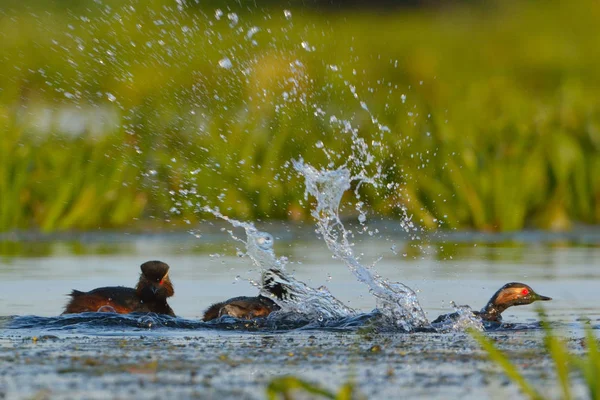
(37, 279)
(99, 356)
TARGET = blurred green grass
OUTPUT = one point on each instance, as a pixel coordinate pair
(586, 365)
(503, 132)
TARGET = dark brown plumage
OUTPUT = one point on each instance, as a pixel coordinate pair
(274, 282)
(242, 307)
(149, 295)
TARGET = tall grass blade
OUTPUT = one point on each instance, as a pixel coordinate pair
(507, 366)
(561, 358)
(590, 365)
(284, 387)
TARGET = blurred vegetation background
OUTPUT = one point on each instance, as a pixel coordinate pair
(117, 113)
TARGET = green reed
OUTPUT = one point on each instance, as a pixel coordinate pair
(503, 133)
(285, 387)
(587, 365)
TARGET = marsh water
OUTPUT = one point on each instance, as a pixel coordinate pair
(107, 355)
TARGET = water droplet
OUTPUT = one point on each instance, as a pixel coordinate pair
(306, 46)
(110, 97)
(265, 241)
(225, 63)
(251, 32)
(233, 18)
(288, 14)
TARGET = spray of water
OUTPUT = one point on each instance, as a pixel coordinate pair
(396, 301)
(293, 296)
(461, 320)
(236, 64)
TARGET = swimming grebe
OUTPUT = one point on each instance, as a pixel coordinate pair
(150, 294)
(242, 307)
(248, 307)
(511, 294)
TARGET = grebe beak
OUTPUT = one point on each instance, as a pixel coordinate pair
(543, 298)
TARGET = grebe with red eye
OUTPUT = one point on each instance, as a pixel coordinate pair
(150, 294)
(511, 294)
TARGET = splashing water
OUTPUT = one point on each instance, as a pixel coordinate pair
(461, 320)
(396, 301)
(466, 319)
(297, 298)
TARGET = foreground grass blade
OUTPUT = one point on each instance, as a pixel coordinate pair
(509, 368)
(590, 365)
(558, 351)
(284, 387)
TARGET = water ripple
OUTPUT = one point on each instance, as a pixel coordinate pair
(110, 323)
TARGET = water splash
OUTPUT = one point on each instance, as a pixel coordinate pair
(293, 296)
(101, 324)
(238, 65)
(397, 302)
(462, 319)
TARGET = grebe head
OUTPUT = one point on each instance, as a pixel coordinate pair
(516, 294)
(154, 281)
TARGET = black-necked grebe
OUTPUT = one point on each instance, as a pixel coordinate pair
(274, 283)
(242, 307)
(511, 294)
(150, 294)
